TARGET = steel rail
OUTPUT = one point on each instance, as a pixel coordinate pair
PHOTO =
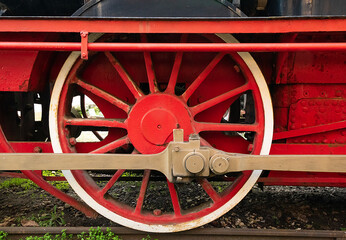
(200, 233)
(174, 47)
(173, 25)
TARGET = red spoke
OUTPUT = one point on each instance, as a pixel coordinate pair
(112, 181)
(208, 188)
(219, 99)
(176, 68)
(112, 145)
(174, 197)
(132, 86)
(142, 192)
(150, 68)
(204, 74)
(232, 127)
(104, 95)
(96, 122)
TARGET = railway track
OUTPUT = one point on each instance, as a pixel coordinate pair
(200, 234)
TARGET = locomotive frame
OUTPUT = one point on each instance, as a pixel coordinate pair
(287, 27)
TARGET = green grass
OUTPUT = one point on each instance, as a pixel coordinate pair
(51, 219)
(27, 184)
(97, 234)
(48, 173)
(93, 234)
(3, 235)
(18, 182)
(47, 236)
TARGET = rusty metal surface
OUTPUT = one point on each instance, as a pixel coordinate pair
(200, 234)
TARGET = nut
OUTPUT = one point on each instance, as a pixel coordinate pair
(219, 164)
(194, 163)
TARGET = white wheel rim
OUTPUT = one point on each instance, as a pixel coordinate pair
(267, 139)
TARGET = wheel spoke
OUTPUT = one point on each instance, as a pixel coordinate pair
(112, 181)
(219, 99)
(104, 95)
(150, 68)
(142, 192)
(202, 76)
(174, 198)
(131, 85)
(231, 127)
(208, 188)
(112, 145)
(176, 68)
(96, 122)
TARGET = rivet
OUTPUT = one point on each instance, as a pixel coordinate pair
(157, 212)
(250, 147)
(236, 68)
(322, 109)
(37, 149)
(176, 149)
(338, 93)
(73, 141)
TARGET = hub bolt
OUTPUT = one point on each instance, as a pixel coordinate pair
(219, 164)
(194, 163)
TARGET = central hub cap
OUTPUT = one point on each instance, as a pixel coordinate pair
(152, 120)
(157, 124)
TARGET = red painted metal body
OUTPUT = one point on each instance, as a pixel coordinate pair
(306, 79)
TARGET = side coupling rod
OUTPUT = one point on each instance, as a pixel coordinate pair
(180, 161)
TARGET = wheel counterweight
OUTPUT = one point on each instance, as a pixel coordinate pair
(141, 98)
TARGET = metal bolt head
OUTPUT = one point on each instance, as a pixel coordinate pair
(157, 212)
(194, 163)
(219, 164)
(176, 149)
(37, 149)
(73, 141)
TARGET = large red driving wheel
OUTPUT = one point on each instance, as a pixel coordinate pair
(143, 96)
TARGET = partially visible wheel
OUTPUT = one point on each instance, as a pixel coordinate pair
(142, 98)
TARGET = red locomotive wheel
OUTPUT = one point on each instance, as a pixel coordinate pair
(144, 96)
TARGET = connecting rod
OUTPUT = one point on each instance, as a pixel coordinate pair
(180, 161)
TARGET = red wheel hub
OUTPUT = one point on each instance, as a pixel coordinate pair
(152, 120)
